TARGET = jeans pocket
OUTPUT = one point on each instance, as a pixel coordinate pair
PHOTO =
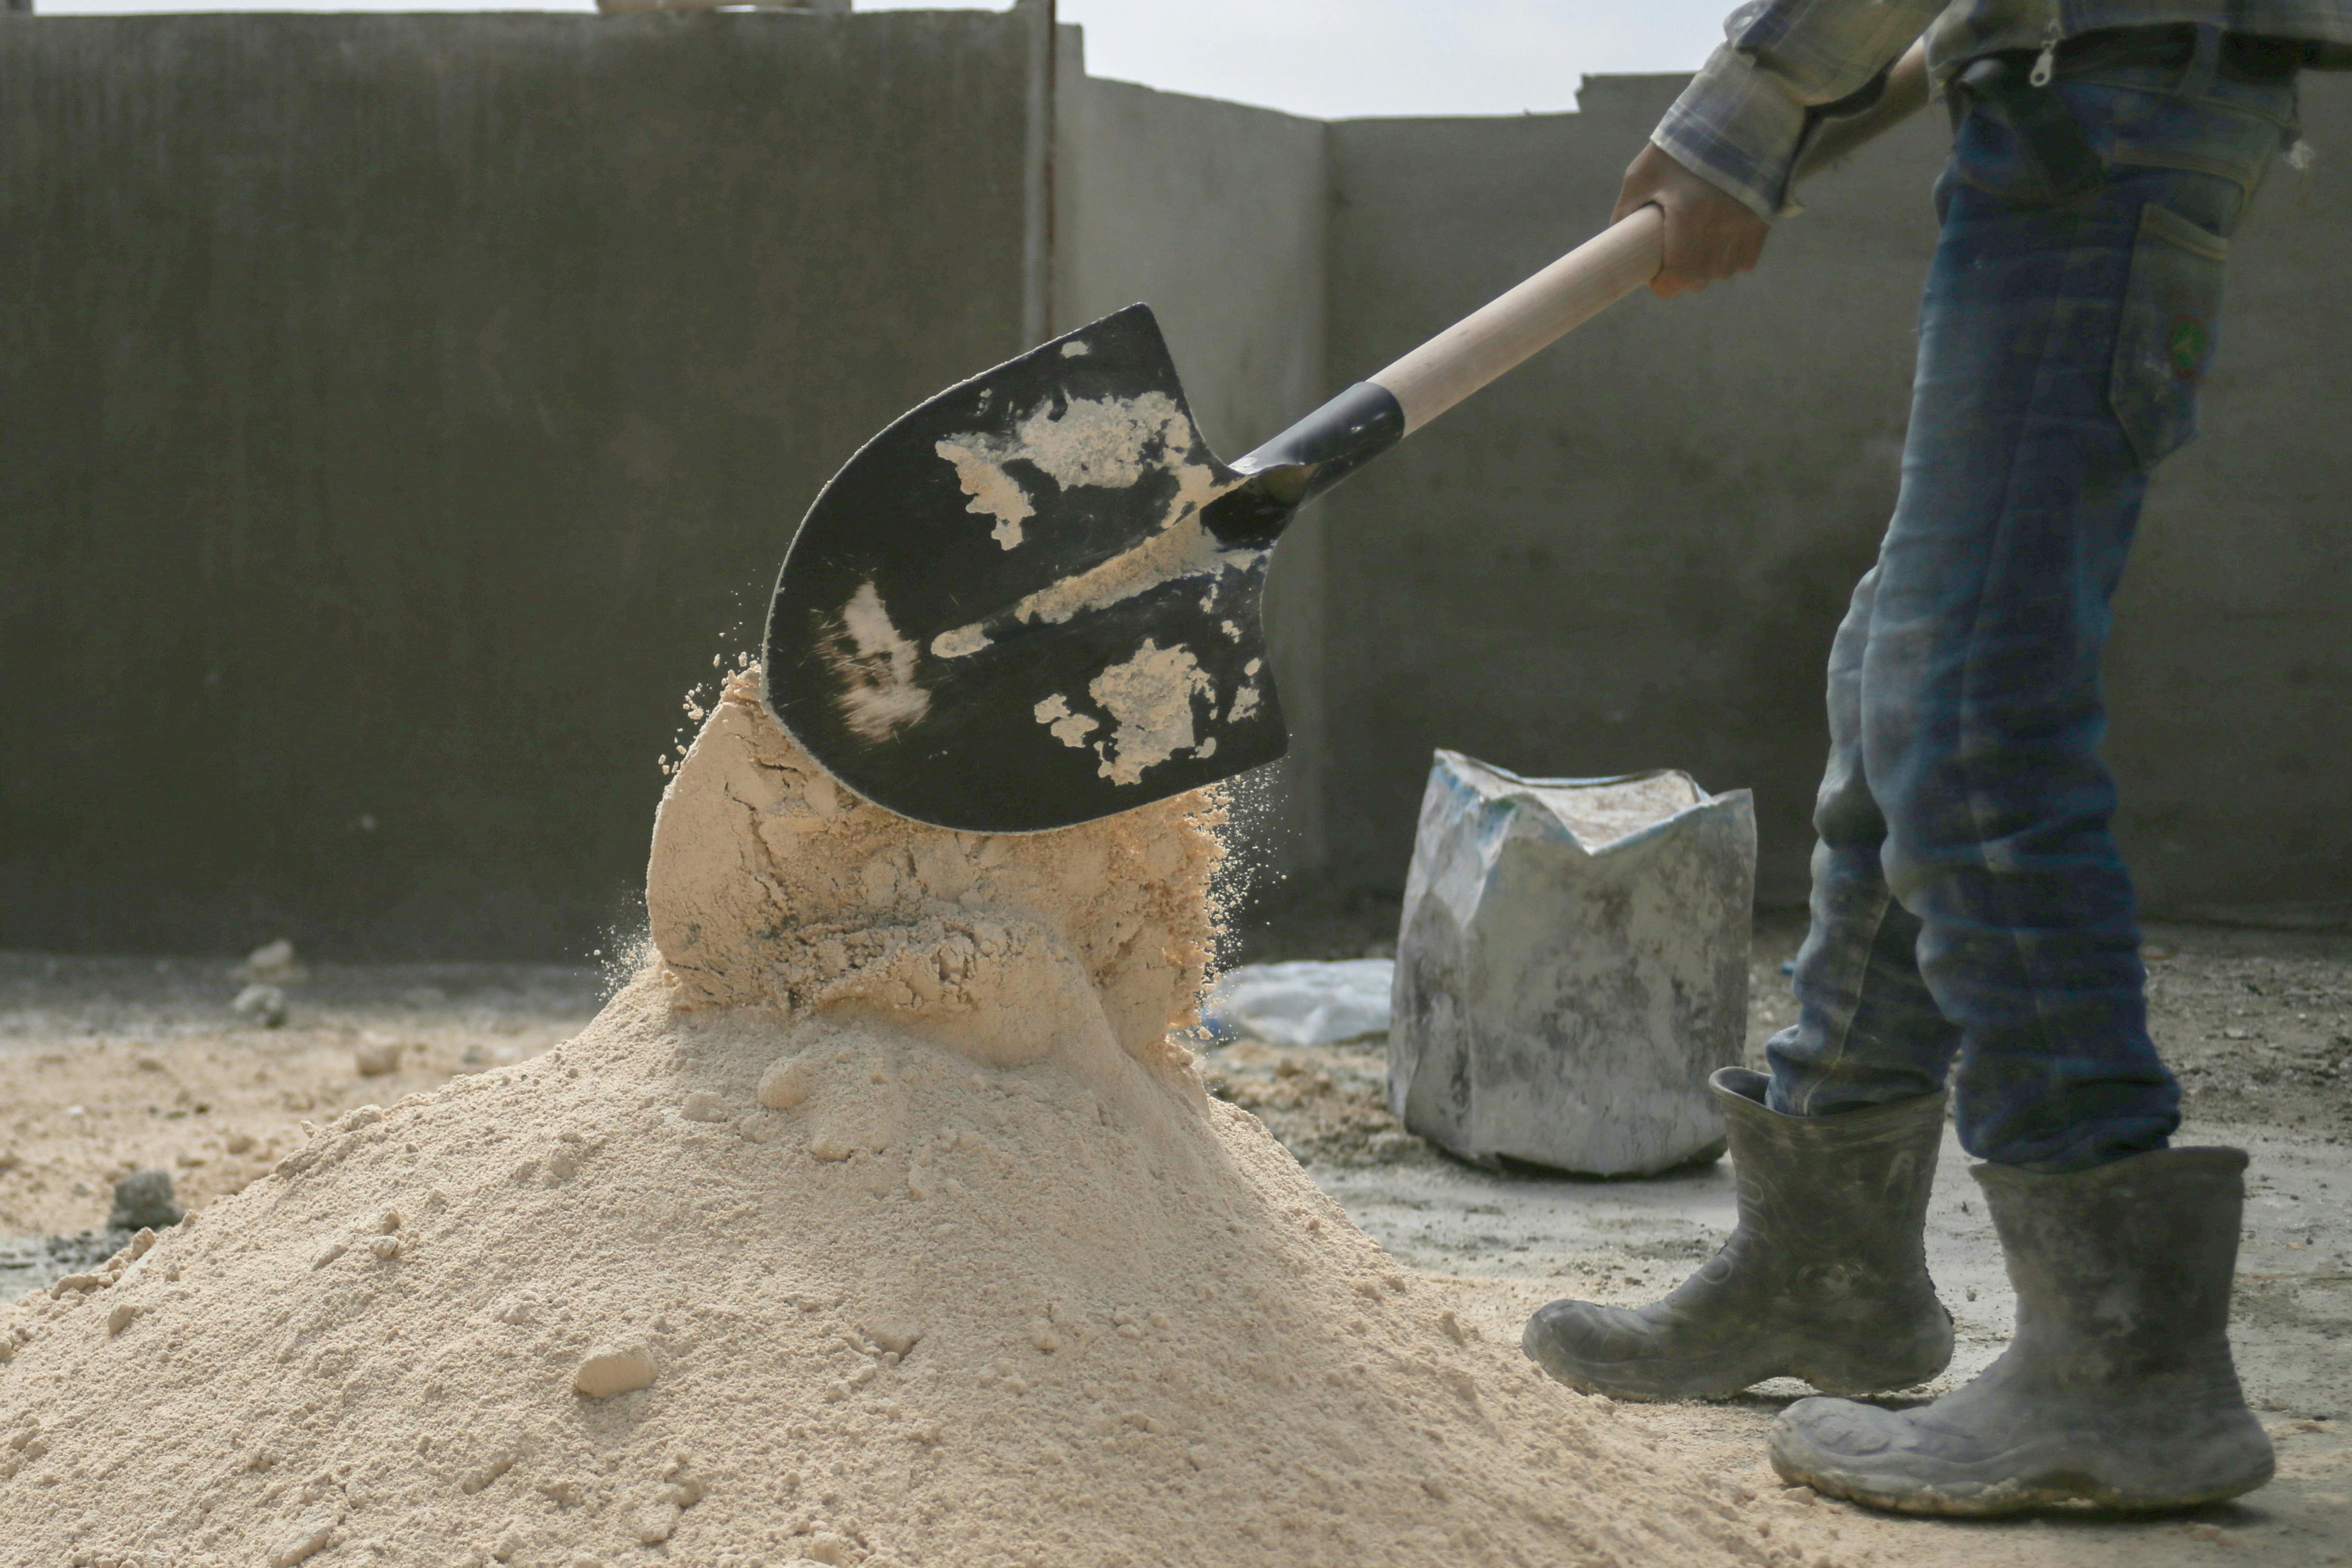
(2171, 311)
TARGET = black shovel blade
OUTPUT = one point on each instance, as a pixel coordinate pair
(1004, 614)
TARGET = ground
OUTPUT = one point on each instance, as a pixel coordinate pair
(113, 1065)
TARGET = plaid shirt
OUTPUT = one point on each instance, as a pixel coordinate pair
(1743, 116)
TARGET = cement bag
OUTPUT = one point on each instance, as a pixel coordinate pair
(1571, 965)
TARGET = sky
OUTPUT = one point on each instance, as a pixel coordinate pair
(1327, 58)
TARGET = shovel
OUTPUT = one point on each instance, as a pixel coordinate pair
(1035, 600)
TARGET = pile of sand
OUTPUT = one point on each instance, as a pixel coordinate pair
(878, 1223)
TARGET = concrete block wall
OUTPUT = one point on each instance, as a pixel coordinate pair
(398, 413)
(1218, 216)
(1631, 553)
(2230, 671)
(1634, 552)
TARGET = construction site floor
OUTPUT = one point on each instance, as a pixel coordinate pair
(109, 1065)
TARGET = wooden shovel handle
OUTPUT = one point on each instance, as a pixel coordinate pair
(1505, 333)
(1482, 347)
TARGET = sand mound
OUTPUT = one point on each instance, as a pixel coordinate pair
(878, 1225)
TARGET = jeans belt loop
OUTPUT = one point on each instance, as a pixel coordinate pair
(2204, 67)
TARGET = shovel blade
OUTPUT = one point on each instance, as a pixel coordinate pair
(1004, 613)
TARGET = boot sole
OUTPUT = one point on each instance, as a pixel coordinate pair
(2015, 1482)
(1721, 1377)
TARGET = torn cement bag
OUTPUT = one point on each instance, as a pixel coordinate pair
(1571, 965)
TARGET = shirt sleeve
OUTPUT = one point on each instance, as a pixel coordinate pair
(1739, 123)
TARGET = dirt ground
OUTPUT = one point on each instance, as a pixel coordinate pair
(2257, 1024)
(113, 1065)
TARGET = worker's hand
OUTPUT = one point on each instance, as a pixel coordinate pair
(1709, 235)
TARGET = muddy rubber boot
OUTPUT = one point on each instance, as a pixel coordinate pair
(1824, 1278)
(2117, 1390)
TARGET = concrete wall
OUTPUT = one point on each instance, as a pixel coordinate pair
(398, 413)
(1217, 214)
(1634, 552)
(402, 411)
(2232, 668)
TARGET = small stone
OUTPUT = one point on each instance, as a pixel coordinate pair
(238, 1142)
(376, 1060)
(655, 1523)
(272, 961)
(10, 1159)
(306, 1540)
(119, 1318)
(385, 1248)
(684, 1489)
(484, 1475)
(265, 1004)
(612, 1371)
(896, 1339)
(144, 1198)
(702, 1105)
(785, 1085)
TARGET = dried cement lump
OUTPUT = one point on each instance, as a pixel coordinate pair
(876, 1224)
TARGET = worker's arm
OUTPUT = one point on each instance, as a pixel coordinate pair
(1718, 164)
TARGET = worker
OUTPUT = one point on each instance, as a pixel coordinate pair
(1970, 914)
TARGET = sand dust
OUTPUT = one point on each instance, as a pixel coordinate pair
(994, 492)
(1149, 700)
(1100, 441)
(876, 666)
(1180, 549)
(1103, 442)
(878, 1223)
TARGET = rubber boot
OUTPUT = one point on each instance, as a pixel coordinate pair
(2118, 1389)
(1824, 1278)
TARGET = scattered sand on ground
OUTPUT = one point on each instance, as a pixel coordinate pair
(174, 1081)
(878, 1224)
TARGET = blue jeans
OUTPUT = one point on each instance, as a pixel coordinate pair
(1968, 899)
